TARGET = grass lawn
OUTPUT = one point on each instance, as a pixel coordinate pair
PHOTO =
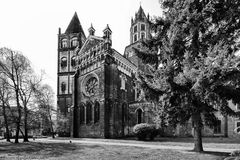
(72, 151)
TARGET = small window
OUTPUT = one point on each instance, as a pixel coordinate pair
(73, 61)
(96, 112)
(139, 116)
(143, 35)
(135, 29)
(217, 127)
(74, 42)
(64, 62)
(143, 28)
(82, 114)
(64, 43)
(63, 87)
(135, 38)
(89, 113)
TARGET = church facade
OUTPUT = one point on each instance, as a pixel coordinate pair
(97, 91)
(96, 84)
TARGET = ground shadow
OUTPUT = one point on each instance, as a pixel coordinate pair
(35, 148)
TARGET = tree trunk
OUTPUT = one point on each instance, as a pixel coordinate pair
(25, 125)
(51, 123)
(197, 127)
(6, 123)
(18, 121)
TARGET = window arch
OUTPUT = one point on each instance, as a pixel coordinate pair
(96, 112)
(135, 29)
(89, 113)
(63, 87)
(74, 42)
(73, 61)
(143, 27)
(64, 62)
(143, 35)
(82, 114)
(135, 38)
(139, 115)
(64, 43)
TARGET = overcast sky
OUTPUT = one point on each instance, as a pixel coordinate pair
(31, 26)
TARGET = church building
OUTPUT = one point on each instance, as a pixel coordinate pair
(97, 90)
(96, 86)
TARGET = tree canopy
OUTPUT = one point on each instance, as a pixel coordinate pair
(193, 53)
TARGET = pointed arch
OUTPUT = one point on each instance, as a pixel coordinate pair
(89, 112)
(139, 113)
(82, 113)
(96, 112)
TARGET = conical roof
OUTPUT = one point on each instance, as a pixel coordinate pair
(74, 26)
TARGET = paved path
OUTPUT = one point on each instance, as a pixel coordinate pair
(131, 143)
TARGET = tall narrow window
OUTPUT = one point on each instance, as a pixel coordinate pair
(143, 27)
(73, 61)
(135, 38)
(64, 43)
(135, 29)
(74, 42)
(82, 114)
(217, 127)
(64, 62)
(143, 35)
(63, 87)
(89, 113)
(96, 112)
(139, 116)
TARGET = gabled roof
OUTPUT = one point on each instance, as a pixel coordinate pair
(74, 26)
(90, 42)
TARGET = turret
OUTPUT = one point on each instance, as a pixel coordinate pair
(107, 36)
(91, 31)
(139, 27)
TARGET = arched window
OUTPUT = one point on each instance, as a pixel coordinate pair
(143, 27)
(63, 87)
(64, 43)
(64, 62)
(74, 42)
(96, 112)
(73, 61)
(135, 38)
(139, 115)
(89, 113)
(82, 114)
(143, 35)
(135, 29)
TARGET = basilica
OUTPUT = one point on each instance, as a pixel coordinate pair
(96, 85)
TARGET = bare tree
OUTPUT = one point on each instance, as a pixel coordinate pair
(14, 66)
(28, 83)
(5, 97)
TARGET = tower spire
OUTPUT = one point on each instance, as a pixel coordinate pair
(91, 30)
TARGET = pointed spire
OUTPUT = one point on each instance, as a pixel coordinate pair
(91, 30)
(75, 25)
(140, 15)
(107, 29)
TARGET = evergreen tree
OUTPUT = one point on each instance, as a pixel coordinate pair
(194, 67)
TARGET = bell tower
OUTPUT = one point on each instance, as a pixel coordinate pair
(139, 31)
(68, 41)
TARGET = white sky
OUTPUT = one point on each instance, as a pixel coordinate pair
(31, 26)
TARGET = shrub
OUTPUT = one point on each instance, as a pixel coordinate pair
(144, 130)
